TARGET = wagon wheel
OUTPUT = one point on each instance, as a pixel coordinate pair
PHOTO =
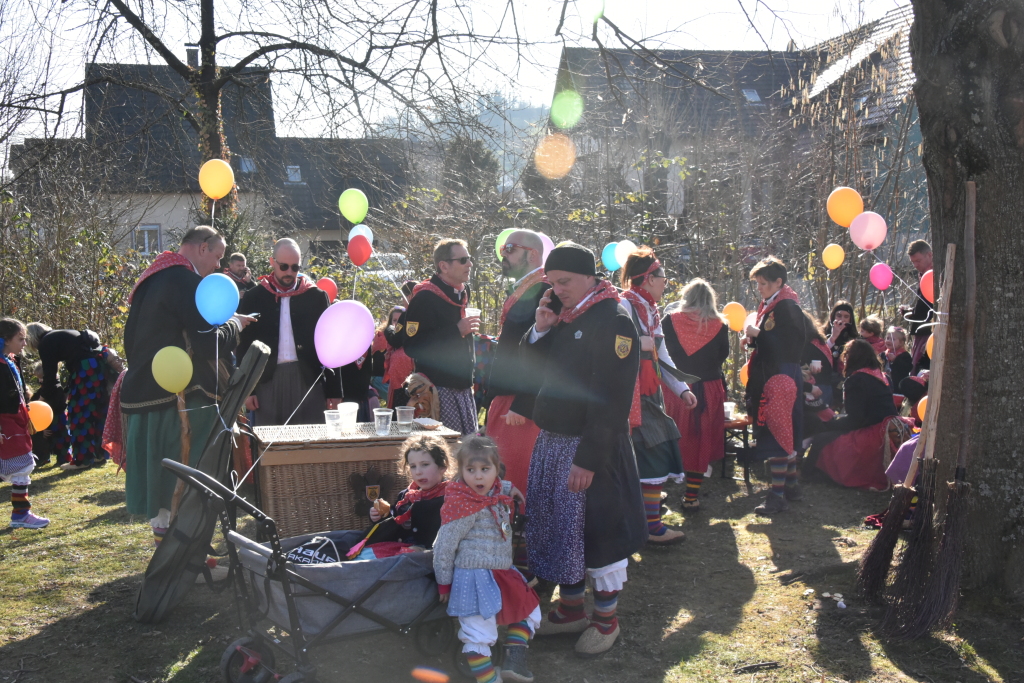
(435, 637)
(245, 662)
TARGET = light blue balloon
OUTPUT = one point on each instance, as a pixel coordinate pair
(608, 257)
(217, 298)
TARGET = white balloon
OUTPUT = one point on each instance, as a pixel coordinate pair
(623, 250)
(361, 230)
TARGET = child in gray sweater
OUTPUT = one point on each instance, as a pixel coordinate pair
(473, 565)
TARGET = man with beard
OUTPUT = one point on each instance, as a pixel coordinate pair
(288, 305)
(439, 336)
(585, 514)
(239, 273)
(513, 386)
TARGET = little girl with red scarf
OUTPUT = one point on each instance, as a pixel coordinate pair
(473, 565)
(416, 516)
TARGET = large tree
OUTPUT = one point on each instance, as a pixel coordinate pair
(969, 60)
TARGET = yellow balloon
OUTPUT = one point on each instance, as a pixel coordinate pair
(844, 204)
(745, 374)
(930, 345)
(172, 368)
(833, 256)
(736, 315)
(922, 408)
(555, 156)
(216, 178)
(41, 415)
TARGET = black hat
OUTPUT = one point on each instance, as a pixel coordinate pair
(572, 258)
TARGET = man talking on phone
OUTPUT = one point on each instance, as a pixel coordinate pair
(288, 305)
(585, 513)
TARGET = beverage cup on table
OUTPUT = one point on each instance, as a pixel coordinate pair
(333, 420)
(404, 419)
(382, 420)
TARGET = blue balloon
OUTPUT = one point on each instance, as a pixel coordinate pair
(217, 298)
(608, 257)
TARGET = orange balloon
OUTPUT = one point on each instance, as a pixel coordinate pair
(844, 204)
(41, 415)
(555, 156)
(928, 286)
(922, 408)
(745, 374)
(929, 346)
(428, 675)
(735, 314)
(216, 179)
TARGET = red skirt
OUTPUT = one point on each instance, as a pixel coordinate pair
(702, 430)
(857, 459)
(400, 366)
(515, 444)
(518, 600)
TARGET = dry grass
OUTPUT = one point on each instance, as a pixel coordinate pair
(734, 594)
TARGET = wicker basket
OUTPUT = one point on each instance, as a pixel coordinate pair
(305, 478)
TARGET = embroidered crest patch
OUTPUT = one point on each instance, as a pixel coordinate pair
(769, 324)
(398, 327)
(412, 328)
(373, 492)
(623, 345)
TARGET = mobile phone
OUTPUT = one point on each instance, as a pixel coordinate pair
(253, 315)
(556, 304)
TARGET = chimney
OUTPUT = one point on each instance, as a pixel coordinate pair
(192, 56)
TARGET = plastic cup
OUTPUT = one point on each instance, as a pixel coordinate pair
(404, 418)
(333, 420)
(382, 420)
(815, 366)
(730, 408)
(348, 411)
(472, 312)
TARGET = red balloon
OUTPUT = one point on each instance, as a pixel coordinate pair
(329, 286)
(928, 286)
(359, 250)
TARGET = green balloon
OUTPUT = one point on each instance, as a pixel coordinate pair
(500, 242)
(353, 205)
(566, 109)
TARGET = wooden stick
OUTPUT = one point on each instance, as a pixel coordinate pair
(971, 288)
(931, 422)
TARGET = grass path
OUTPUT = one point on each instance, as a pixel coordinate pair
(693, 613)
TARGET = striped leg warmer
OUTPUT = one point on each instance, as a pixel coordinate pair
(19, 501)
(780, 468)
(570, 603)
(518, 633)
(605, 604)
(652, 506)
(693, 482)
(483, 669)
(791, 476)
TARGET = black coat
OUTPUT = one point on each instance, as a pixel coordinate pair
(163, 313)
(64, 346)
(707, 361)
(10, 401)
(509, 376)
(900, 367)
(430, 332)
(867, 401)
(590, 369)
(306, 309)
(827, 377)
(781, 340)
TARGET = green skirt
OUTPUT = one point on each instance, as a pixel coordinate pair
(156, 435)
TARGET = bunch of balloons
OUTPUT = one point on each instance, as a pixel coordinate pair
(846, 207)
(614, 255)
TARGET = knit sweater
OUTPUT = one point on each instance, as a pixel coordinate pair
(473, 542)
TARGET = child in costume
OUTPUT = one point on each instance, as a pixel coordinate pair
(16, 459)
(416, 517)
(473, 565)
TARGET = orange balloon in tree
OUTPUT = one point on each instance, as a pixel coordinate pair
(843, 205)
(745, 374)
(929, 346)
(928, 286)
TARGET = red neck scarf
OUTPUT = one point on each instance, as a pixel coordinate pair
(379, 342)
(164, 261)
(461, 501)
(785, 293)
(235, 278)
(693, 333)
(821, 346)
(429, 286)
(270, 283)
(601, 291)
(646, 308)
(876, 373)
(524, 286)
(414, 494)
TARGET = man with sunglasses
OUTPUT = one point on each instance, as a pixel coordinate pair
(288, 305)
(439, 336)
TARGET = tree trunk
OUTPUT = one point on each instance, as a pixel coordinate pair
(212, 144)
(969, 59)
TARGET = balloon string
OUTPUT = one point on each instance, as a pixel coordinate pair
(355, 282)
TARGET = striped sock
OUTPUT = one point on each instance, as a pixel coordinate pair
(604, 610)
(158, 535)
(482, 668)
(570, 603)
(652, 505)
(518, 633)
(779, 467)
(693, 482)
(19, 502)
(791, 477)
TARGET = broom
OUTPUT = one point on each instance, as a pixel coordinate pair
(943, 591)
(915, 562)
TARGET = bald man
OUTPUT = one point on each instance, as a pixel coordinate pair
(288, 304)
(514, 385)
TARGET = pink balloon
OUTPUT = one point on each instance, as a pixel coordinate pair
(343, 333)
(881, 276)
(868, 230)
(548, 246)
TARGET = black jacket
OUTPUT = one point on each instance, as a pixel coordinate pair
(781, 340)
(900, 367)
(867, 401)
(306, 309)
(430, 335)
(355, 380)
(64, 346)
(590, 369)
(9, 389)
(827, 376)
(509, 376)
(163, 313)
(706, 362)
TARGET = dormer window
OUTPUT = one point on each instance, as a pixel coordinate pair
(246, 165)
(293, 173)
(752, 96)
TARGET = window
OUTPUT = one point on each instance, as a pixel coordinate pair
(751, 96)
(246, 165)
(147, 239)
(294, 174)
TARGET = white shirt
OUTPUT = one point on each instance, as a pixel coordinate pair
(286, 338)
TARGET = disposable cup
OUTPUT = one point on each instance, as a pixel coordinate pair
(730, 408)
(404, 418)
(332, 418)
(382, 420)
(472, 312)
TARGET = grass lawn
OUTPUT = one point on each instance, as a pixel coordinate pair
(696, 612)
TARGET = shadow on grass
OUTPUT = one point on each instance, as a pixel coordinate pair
(104, 498)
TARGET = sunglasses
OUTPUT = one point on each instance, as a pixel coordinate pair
(464, 260)
(294, 267)
(507, 249)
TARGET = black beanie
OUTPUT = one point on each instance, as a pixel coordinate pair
(572, 258)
